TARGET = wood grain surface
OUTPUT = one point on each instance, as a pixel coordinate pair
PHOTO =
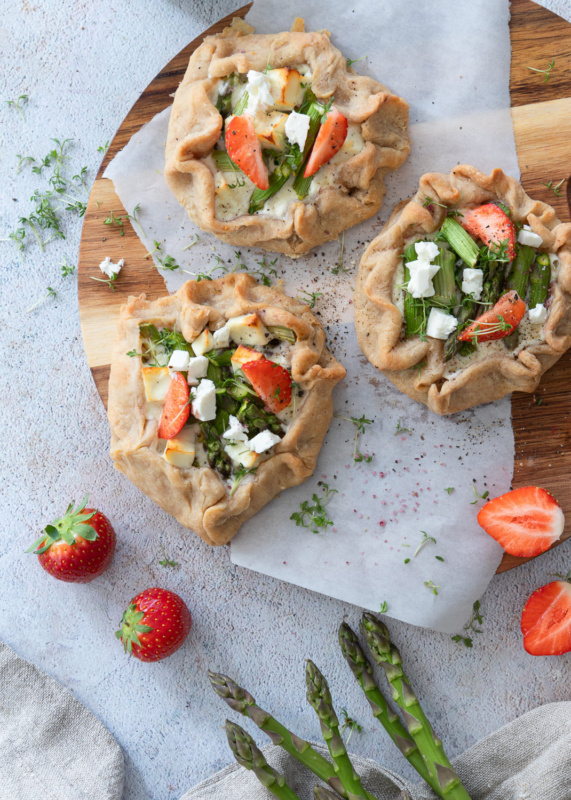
(541, 114)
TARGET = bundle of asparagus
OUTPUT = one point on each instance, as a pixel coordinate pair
(415, 738)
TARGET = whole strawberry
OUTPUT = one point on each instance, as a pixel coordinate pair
(77, 547)
(155, 625)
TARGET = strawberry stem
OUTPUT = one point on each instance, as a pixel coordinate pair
(131, 626)
(71, 525)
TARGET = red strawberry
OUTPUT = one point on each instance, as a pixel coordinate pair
(176, 409)
(78, 547)
(244, 149)
(492, 225)
(546, 619)
(329, 140)
(156, 624)
(497, 322)
(271, 381)
(525, 521)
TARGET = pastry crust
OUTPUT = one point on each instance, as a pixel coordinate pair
(358, 186)
(416, 367)
(198, 497)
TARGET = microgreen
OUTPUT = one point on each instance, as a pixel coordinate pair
(239, 476)
(19, 104)
(50, 293)
(157, 246)
(407, 561)
(360, 425)
(166, 562)
(486, 328)
(339, 266)
(169, 263)
(351, 61)
(241, 105)
(449, 489)
(17, 237)
(327, 109)
(188, 246)
(475, 619)
(349, 724)
(545, 72)
(432, 586)
(23, 161)
(119, 221)
(478, 496)
(310, 298)
(425, 539)
(419, 367)
(495, 252)
(109, 282)
(555, 188)
(67, 269)
(314, 516)
(400, 429)
(103, 147)
(384, 607)
(439, 558)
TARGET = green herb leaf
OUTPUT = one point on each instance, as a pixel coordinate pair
(314, 516)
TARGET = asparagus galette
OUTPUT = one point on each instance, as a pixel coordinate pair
(219, 398)
(464, 295)
(274, 141)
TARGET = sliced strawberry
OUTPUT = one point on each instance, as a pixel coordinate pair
(492, 225)
(497, 322)
(176, 409)
(271, 381)
(546, 620)
(244, 149)
(524, 521)
(329, 140)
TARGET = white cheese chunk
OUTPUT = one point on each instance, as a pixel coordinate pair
(181, 451)
(241, 454)
(108, 268)
(221, 337)
(529, 237)
(296, 128)
(421, 275)
(156, 381)
(179, 360)
(538, 315)
(259, 90)
(426, 251)
(472, 282)
(248, 329)
(197, 368)
(440, 325)
(236, 431)
(203, 343)
(204, 401)
(263, 441)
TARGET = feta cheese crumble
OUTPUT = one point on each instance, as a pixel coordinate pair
(296, 128)
(426, 251)
(259, 92)
(440, 325)
(221, 337)
(263, 441)
(204, 401)
(538, 315)
(472, 282)
(197, 368)
(236, 431)
(108, 268)
(179, 360)
(422, 271)
(529, 237)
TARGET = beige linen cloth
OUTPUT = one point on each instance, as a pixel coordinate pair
(51, 746)
(529, 759)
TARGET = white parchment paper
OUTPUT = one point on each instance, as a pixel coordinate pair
(450, 60)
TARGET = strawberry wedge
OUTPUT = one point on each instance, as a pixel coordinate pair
(497, 322)
(330, 139)
(526, 521)
(244, 149)
(271, 381)
(492, 225)
(546, 620)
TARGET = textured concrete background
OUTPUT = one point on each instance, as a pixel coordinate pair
(83, 64)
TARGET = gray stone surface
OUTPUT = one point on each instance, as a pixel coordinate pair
(83, 64)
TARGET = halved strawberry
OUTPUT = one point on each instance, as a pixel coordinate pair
(492, 225)
(244, 149)
(271, 381)
(497, 322)
(526, 521)
(546, 620)
(176, 409)
(329, 140)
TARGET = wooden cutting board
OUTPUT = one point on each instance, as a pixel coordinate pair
(541, 115)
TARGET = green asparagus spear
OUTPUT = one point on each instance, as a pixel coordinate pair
(363, 672)
(518, 277)
(277, 179)
(494, 279)
(321, 793)
(466, 312)
(414, 314)
(319, 697)
(444, 281)
(460, 241)
(249, 756)
(540, 280)
(443, 778)
(242, 701)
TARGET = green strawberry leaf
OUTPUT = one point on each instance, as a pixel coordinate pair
(86, 532)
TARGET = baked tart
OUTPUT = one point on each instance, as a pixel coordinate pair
(219, 399)
(464, 296)
(275, 142)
